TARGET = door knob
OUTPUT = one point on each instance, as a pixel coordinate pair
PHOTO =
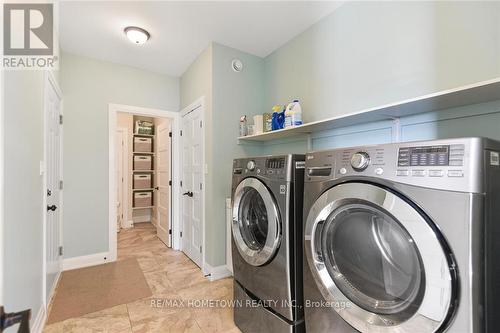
(52, 208)
(157, 188)
(188, 193)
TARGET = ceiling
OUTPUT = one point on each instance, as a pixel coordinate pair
(181, 30)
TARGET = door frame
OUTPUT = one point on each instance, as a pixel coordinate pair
(125, 171)
(197, 104)
(49, 80)
(113, 109)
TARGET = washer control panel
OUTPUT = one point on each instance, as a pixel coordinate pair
(275, 167)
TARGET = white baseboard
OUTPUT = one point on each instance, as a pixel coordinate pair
(218, 272)
(39, 322)
(128, 224)
(86, 261)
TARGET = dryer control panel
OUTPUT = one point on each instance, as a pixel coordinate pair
(451, 164)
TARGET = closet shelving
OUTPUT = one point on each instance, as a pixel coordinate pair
(480, 92)
(144, 172)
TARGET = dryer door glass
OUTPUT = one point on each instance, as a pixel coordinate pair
(373, 260)
(256, 223)
(371, 250)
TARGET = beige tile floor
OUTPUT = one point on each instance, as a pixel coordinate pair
(173, 278)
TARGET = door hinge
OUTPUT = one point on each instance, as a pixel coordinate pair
(181, 132)
(60, 119)
(61, 184)
(181, 233)
(181, 183)
(169, 183)
(169, 231)
(60, 250)
(200, 248)
(201, 123)
(170, 134)
(201, 186)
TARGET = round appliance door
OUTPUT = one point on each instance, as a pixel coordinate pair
(256, 223)
(378, 261)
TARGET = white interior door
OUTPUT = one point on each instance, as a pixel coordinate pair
(163, 168)
(192, 184)
(53, 178)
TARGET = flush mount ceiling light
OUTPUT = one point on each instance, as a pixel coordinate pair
(137, 35)
(237, 65)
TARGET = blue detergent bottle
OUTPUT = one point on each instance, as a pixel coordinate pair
(278, 121)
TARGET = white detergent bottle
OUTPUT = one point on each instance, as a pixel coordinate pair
(293, 114)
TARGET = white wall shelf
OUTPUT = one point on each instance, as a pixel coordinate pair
(481, 92)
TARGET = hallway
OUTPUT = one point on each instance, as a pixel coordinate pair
(171, 276)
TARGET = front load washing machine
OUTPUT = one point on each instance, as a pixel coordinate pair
(403, 237)
(267, 196)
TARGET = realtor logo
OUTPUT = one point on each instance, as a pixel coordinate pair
(28, 29)
(28, 36)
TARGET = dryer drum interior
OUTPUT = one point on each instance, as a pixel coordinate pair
(369, 247)
(373, 260)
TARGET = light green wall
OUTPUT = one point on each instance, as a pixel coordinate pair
(367, 54)
(23, 211)
(88, 86)
(227, 96)
(234, 94)
(370, 53)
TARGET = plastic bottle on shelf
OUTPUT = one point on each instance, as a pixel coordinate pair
(293, 114)
(243, 126)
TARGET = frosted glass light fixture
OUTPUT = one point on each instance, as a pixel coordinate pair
(137, 35)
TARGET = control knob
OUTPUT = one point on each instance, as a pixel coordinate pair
(360, 161)
(251, 165)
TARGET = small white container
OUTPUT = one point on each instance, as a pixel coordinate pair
(142, 181)
(143, 163)
(143, 199)
(258, 123)
(143, 144)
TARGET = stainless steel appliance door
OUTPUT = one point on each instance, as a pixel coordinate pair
(370, 249)
(256, 222)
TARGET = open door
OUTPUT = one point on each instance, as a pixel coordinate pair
(164, 153)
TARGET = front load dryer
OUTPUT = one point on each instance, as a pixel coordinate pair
(267, 196)
(402, 238)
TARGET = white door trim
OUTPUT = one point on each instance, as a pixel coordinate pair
(113, 109)
(2, 189)
(49, 79)
(125, 171)
(198, 103)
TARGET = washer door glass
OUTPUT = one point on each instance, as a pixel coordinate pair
(373, 260)
(252, 219)
(256, 224)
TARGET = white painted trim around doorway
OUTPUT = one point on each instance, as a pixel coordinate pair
(113, 109)
(198, 103)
